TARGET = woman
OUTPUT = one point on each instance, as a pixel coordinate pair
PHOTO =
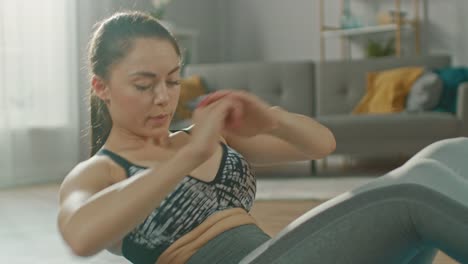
(156, 196)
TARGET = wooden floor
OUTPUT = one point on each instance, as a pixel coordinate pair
(273, 216)
(28, 232)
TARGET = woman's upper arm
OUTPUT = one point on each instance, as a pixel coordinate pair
(83, 181)
(263, 149)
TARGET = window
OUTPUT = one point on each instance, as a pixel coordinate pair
(37, 63)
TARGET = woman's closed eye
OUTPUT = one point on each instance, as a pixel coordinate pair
(173, 82)
(142, 87)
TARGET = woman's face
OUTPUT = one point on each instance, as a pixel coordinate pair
(144, 87)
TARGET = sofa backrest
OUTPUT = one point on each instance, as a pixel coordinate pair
(341, 84)
(285, 84)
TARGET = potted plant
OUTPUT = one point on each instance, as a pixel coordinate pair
(379, 49)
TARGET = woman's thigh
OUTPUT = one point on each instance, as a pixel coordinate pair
(389, 220)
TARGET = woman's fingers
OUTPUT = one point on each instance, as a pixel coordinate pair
(229, 108)
(234, 116)
(237, 114)
(213, 97)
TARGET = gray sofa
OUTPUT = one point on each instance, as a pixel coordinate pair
(289, 85)
(328, 91)
(340, 86)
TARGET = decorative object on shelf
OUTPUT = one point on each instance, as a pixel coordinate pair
(391, 17)
(369, 17)
(397, 14)
(379, 49)
(348, 20)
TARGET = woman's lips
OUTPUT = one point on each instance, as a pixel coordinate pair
(160, 119)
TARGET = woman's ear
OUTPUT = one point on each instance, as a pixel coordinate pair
(100, 88)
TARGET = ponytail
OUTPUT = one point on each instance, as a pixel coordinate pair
(101, 123)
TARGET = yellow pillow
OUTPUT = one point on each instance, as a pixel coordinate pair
(190, 88)
(387, 90)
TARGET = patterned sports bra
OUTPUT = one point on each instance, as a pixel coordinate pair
(188, 205)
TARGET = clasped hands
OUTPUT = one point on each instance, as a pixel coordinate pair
(249, 116)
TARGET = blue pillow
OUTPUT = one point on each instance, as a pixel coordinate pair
(425, 93)
(451, 78)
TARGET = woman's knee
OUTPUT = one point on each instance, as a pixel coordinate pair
(423, 166)
(414, 171)
(444, 148)
(429, 173)
(450, 152)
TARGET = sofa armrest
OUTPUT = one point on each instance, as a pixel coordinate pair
(462, 107)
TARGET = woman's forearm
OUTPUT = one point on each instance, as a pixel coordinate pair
(303, 132)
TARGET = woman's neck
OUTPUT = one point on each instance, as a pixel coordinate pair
(124, 140)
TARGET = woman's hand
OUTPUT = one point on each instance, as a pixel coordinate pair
(209, 122)
(254, 116)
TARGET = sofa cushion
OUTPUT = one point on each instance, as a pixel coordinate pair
(341, 84)
(451, 77)
(390, 126)
(425, 93)
(387, 90)
(190, 88)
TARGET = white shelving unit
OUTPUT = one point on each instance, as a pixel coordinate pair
(396, 28)
(362, 30)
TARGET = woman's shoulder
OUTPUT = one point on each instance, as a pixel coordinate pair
(94, 164)
(94, 172)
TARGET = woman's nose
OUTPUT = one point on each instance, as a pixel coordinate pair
(160, 94)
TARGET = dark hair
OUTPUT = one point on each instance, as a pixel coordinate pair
(111, 42)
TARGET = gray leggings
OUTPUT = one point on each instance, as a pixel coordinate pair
(401, 217)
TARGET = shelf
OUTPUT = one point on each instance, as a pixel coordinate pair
(362, 30)
(397, 28)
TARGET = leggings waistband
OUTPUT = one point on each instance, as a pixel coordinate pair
(230, 246)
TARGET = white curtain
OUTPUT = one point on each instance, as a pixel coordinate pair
(39, 130)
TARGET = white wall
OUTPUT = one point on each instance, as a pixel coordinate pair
(206, 17)
(447, 28)
(289, 30)
(271, 30)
